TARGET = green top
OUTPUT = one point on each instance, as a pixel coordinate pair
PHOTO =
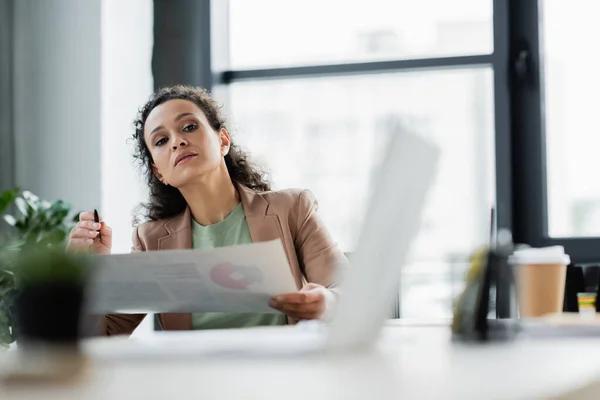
(233, 230)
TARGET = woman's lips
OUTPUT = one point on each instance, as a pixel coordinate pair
(184, 158)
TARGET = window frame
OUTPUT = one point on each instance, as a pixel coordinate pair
(530, 205)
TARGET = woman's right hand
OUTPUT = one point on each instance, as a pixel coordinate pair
(85, 235)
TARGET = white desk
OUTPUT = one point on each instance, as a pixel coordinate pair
(410, 363)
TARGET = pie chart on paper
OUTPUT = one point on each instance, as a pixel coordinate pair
(236, 277)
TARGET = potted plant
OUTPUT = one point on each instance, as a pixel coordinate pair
(47, 308)
(32, 256)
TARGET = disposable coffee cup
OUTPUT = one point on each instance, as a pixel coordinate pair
(540, 275)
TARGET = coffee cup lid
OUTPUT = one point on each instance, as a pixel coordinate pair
(544, 255)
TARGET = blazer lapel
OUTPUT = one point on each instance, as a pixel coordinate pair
(263, 225)
(179, 232)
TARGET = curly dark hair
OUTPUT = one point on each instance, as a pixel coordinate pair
(166, 201)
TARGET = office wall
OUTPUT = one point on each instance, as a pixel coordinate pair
(57, 97)
(7, 178)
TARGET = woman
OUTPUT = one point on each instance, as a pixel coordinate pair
(205, 193)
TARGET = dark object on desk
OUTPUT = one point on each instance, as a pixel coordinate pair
(499, 279)
(37, 315)
(489, 270)
(598, 297)
(580, 279)
(502, 302)
(47, 327)
(574, 284)
(591, 277)
(49, 300)
(47, 310)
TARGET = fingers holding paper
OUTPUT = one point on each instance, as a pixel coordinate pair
(90, 235)
(311, 302)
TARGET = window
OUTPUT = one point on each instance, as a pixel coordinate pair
(331, 143)
(310, 84)
(571, 85)
(554, 187)
(271, 33)
(322, 133)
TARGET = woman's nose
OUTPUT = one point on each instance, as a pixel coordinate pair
(179, 142)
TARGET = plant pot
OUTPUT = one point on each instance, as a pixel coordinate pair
(48, 313)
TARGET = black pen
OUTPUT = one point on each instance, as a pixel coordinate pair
(97, 219)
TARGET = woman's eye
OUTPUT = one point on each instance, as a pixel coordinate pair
(161, 142)
(189, 128)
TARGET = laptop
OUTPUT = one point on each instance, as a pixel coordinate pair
(369, 285)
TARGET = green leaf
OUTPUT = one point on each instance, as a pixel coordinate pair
(6, 336)
(6, 286)
(12, 245)
(7, 198)
(12, 221)
(54, 237)
(6, 273)
(6, 331)
(61, 207)
(22, 206)
(31, 199)
(57, 217)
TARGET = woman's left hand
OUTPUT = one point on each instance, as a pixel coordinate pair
(311, 302)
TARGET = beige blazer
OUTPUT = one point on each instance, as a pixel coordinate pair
(289, 215)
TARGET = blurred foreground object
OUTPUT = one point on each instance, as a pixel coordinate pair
(38, 224)
(541, 277)
(489, 271)
(50, 291)
(587, 305)
(47, 312)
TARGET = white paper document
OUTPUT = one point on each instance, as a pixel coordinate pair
(238, 279)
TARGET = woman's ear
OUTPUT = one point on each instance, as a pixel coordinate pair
(225, 141)
(158, 175)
